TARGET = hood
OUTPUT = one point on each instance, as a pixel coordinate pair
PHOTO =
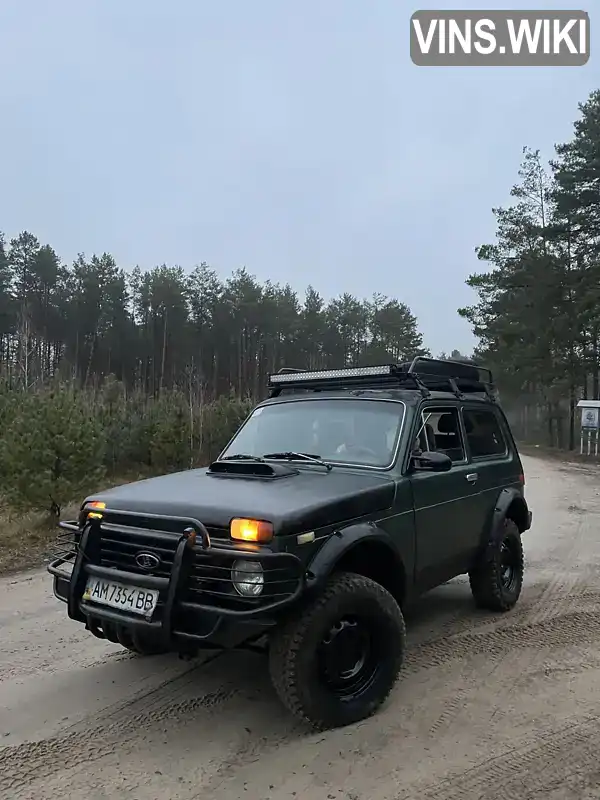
(307, 498)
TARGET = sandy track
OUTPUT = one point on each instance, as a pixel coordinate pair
(488, 707)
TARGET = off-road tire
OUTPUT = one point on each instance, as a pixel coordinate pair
(486, 578)
(294, 647)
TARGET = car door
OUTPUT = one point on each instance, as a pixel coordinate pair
(444, 523)
(492, 461)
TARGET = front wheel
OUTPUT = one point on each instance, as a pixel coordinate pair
(337, 660)
(497, 580)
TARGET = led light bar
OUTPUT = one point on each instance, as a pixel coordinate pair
(325, 374)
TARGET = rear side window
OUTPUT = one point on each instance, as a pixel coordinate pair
(440, 431)
(484, 434)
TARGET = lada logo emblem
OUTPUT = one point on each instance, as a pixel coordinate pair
(147, 561)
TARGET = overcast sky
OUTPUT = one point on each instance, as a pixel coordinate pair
(295, 138)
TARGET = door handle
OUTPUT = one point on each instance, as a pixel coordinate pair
(472, 477)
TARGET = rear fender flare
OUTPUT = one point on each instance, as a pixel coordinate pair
(505, 499)
(343, 541)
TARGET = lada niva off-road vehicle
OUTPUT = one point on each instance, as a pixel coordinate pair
(341, 498)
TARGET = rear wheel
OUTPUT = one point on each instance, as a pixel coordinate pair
(497, 581)
(337, 660)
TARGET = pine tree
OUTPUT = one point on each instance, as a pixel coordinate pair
(52, 452)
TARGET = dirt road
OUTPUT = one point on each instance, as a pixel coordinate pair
(489, 707)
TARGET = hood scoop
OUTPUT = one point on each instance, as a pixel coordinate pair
(250, 469)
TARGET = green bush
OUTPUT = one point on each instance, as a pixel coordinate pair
(219, 421)
(172, 434)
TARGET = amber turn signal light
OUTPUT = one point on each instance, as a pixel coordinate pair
(98, 505)
(251, 530)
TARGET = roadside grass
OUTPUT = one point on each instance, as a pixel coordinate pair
(27, 539)
(554, 453)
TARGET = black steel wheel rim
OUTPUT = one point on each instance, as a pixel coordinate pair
(348, 658)
(508, 566)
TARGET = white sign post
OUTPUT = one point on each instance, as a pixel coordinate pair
(590, 425)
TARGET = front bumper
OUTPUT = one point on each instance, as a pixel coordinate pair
(198, 604)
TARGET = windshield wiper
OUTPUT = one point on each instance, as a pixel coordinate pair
(241, 457)
(292, 455)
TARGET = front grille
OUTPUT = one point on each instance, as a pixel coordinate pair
(124, 536)
(118, 549)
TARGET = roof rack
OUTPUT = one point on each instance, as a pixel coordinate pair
(423, 374)
(289, 370)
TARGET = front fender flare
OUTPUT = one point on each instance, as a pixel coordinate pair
(342, 542)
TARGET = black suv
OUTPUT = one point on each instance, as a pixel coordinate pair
(342, 497)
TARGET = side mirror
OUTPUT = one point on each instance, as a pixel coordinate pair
(430, 461)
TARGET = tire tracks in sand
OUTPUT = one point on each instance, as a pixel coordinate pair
(525, 771)
(89, 741)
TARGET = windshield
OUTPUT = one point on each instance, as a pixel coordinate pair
(344, 431)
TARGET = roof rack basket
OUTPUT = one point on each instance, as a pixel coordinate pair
(422, 373)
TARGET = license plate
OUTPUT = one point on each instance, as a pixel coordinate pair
(117, 595)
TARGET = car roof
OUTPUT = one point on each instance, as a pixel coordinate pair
(408, 397)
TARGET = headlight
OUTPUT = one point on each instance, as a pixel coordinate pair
(248, 577)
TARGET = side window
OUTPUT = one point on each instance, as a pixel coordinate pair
(484, 433)
(439, 430)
